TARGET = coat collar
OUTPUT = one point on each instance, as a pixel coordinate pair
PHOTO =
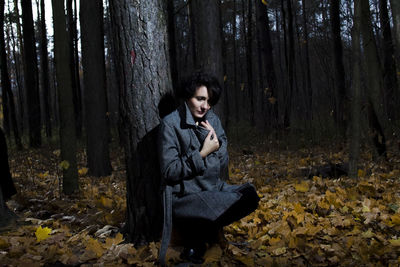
(187, 115)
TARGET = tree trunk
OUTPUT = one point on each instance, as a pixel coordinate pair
(208, 44)
(74, 65)
(340, 92)
(172, 44)
(95, 94)
(141, 43)
(44, 63)
(355, 126)
(375, 81)
(249, 61)
(66, 108)
(30, 75)
(7, 188)
(309, 89)
(389, 65)
(19, 66)
(395, 8)
(290, 64)
(268, 63)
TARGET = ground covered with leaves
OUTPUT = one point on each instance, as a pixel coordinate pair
(304, 218)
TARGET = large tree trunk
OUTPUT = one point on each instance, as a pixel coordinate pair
(290, 64)
(375, 81)
(95, 94)
(340, 92)
(66, 108)
(141, 43)
(208, 44)
(30, 75)
(7, 188)
(74, 64)
(389, 65)
(44, 63)
(268, 63)
(355, 126)
(7, 94)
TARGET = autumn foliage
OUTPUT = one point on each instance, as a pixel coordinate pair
(317, 221)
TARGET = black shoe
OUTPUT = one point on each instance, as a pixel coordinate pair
(194, 255)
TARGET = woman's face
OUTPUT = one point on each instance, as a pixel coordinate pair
(198, 104)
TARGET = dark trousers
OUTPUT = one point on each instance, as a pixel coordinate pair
(196, 232)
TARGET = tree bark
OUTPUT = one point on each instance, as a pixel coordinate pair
(141, 43)
(44, 63)
(74, 65)
(375, 80)
(66, 108)
(95, 94)
(19, 66)
(355, 126)
(290, 65)
(389, 65)
(208, 44)
(309, 89)
(30, 75)
(340, 92)
(268, 62)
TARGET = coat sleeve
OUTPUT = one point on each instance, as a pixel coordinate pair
(222, 152)
(174, 165)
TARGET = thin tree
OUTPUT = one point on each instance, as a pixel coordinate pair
(340, 92)
(44, 64)
(74, 64)
(66, 108)
(355, 125)
(95, 94)
(389, 64)
(30, 75)
(141, 44)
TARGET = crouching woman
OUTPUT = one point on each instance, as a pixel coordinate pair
(193, 157)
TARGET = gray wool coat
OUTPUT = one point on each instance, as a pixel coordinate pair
(194, 188)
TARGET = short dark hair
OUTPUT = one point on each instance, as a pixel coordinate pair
(197, 79)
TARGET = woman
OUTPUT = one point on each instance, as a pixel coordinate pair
(193, 158)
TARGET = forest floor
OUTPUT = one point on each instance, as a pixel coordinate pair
(304, 218)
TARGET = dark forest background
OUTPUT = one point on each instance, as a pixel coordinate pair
(300, 71)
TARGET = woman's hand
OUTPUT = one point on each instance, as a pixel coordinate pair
(211, 142)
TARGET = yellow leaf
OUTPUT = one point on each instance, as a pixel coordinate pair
(64, 165)
(395, 242)
(3, 244)
(279, 251)
(395, 219)
(246, 260)
(42, 233)
(225, 78)
(302, 187)
(242, 87)
(360, 173)
(83, 171)
(106, 202)
(43, 175)
(264, 2)
(114, 241)
(94, 246)
(213, 254)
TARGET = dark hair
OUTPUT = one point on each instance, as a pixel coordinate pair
(197, 79)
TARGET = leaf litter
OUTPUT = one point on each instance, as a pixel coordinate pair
(302, 220)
